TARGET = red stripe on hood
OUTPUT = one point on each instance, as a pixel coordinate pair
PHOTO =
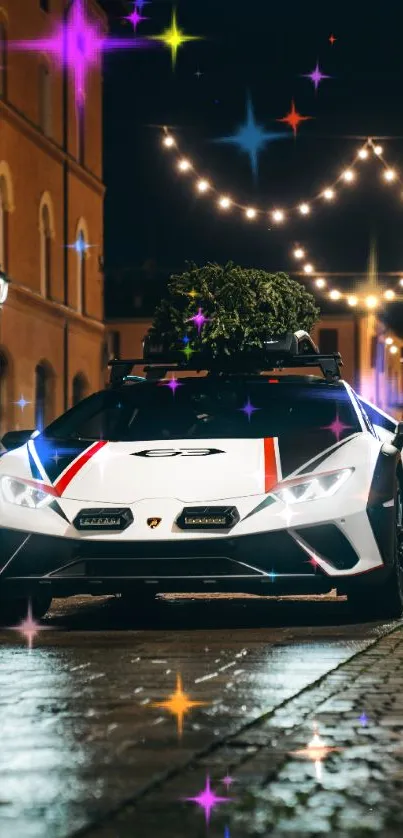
(77, 465)
(270, 464)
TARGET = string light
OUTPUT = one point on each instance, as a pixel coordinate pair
(393, 349)
(371, 301)
(168, 141)
(352, 300)
(224, 202)
(203, 185)
(184, 165)
(334, 294)
(304, 209)
(388, 341)
(348, 175)
(363, 153)
(378, 150)
(320, 283)
(250, 213)
(299, 253)
(389, 175)
(278, 215)
(389, 294)
(308, 268)
(401, 281)
(329, 194)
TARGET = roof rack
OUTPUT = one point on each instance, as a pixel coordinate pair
(293, 350)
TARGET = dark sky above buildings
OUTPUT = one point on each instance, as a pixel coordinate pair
(258, 48)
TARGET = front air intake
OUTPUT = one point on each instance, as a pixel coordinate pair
(208, 518)
(103, 519)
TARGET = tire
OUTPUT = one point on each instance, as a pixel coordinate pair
(14, 611)
(385, 599)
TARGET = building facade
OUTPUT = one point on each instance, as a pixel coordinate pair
(51, 206)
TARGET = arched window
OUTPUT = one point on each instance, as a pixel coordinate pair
(46, 231)
(45, 100)
(81, 272)
(80, 388)
(5, 400)
(44, 395)
(3, 61)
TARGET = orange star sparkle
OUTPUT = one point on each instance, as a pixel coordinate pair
(294, 118)
(332, 39)
(317, 751)
(179, 704)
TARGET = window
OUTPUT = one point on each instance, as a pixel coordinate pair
(3, 61)
(80, 388)
(46, 250)
(81, 272)
(44, 5)
(3, 226)
(44, 381)
(45, 100)
(328, 341)
(115, 344)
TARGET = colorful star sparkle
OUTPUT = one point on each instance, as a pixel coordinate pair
(248, 409)
(316, 76)
(363, 719)
(199, 320)
(227, 781)
(179, 704)
(336, 427)
(332, 39)
(316, 751)
(188, 352)
(173, 384)
(80, 245)
(79, 45)
(22, 403)
(207, 800)
(135, 17)
(174, 38)
(251, 138)
(293, 118)
(29, 628)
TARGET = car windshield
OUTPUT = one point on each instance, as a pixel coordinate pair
(207, 408)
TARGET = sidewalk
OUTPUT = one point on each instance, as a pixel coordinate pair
(354, 790)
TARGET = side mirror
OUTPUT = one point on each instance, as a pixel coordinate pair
(398, 438)
(13, 439)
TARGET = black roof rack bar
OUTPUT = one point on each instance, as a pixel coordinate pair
(164, 362)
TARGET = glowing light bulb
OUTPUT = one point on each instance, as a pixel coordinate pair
(334, 294)
(401, 282)
(203, 185)
(299, 253)
(328, 194)
(389, 294)
(389, 174)
(320, 283)
(371, 301)
(250, 213)
(304, 209)
(168, 141)
(352, 300)
(224, 202)
(378, 149)
(308, 268)
(363, 153)
(388, 341)
(278, 215)
(348, 175)
(184, 165)
(393, 349)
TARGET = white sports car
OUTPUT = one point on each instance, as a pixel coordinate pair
(243, 479)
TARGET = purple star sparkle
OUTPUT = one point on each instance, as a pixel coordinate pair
(173, 384)
(207, 799)
(78, 45)
(135, 17)
(316, 76)
(336, 427)
(363, 719)
(199, 320)
(227, 781)
(248, 409)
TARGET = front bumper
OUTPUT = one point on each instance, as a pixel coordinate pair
(267, 563)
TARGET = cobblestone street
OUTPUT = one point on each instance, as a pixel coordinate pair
(85, 751)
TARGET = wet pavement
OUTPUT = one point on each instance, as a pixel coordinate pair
(86, 751)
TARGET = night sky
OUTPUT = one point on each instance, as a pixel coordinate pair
(257, 48)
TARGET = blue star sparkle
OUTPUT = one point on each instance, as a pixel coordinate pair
(363, 719)
(248, 409)
(251, 138)
(22, 402)
(80, 245)
(272, 575)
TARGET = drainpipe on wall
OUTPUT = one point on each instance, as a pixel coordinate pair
(65, 208)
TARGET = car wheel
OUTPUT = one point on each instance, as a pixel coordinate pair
(14, 611)
(385, 599)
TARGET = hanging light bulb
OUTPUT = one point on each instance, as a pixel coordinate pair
(304, 209)
(352, 300)
(393, 349)
(299, 253)
(203, 185)
(168, 141)
(308, 268)
(401, 281)
(371, 301)
(389, 294)
(224, 202)
(348, 175)
(278, 215)
(250, 213)
(320, 283)
(389, 174)
(388, 341)
(329, 194)
(378, 149)
(363, 153)
(184, 165)
(334, 294)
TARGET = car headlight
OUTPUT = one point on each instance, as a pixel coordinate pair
(23, 494)
(315, 488)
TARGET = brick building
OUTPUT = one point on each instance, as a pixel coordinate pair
(51, 195)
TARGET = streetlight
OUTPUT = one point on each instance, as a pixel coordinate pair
(4, 283)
